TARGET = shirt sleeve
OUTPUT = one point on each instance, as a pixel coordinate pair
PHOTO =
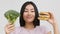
(13, 32)
(44, 29)
(47, 29)
(16, 30)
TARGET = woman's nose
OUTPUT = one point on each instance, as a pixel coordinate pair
(29, 12)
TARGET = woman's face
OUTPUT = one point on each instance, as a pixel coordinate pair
(29, 14)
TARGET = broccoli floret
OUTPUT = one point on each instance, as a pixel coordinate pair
(11, 15)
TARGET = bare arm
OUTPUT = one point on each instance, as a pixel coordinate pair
(53, 22)
(55, 26)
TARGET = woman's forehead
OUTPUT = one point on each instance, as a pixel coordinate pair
(29, 6)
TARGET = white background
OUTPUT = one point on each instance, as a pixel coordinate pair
(43, 5)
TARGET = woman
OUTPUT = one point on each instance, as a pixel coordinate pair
(29, 24)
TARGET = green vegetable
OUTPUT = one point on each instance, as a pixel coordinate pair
(11, 15)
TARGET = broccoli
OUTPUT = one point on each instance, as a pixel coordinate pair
(11, 15)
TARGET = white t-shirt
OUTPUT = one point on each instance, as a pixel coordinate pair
(37, 30)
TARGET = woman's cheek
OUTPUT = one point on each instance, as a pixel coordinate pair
(33, 14)
(24, 16)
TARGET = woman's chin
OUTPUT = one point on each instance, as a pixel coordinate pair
(29, 21)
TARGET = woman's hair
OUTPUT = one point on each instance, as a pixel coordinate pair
(36, 22)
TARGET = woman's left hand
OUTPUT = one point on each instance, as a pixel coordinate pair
(52, 19)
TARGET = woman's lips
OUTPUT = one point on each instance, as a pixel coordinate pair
(29, 17)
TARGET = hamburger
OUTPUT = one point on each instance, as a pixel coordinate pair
(44, 16)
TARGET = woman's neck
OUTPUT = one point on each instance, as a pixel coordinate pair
(29, 26)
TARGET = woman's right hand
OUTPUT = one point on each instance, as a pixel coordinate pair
(9, 28)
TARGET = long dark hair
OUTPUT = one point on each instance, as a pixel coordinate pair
(36, 22)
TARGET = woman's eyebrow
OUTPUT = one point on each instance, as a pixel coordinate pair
(32, 9)
(26, 9)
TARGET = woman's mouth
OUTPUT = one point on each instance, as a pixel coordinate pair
(29, 17)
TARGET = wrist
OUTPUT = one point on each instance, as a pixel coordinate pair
(7, 33)
(55, 24)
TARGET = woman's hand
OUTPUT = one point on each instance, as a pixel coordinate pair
(52, 20)
(9, 28)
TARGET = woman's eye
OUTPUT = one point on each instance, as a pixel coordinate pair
(32, 11)
(25, 11)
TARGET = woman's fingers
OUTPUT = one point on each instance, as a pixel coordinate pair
(52, 20)
(9, 28)
(51, 15)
